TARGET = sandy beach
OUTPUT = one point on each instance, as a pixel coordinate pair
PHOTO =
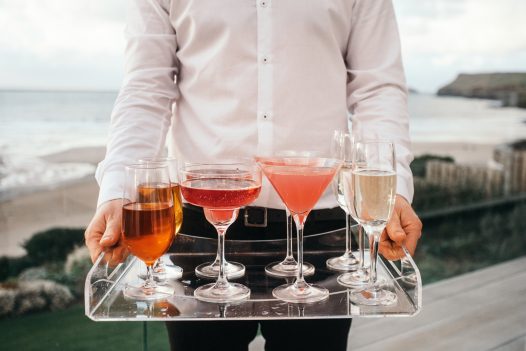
(73, 204)
(68, 205)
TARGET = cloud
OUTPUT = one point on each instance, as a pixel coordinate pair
(460, 35)
(80, 44)
(41, 37)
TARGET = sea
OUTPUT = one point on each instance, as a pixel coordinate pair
(38, 123)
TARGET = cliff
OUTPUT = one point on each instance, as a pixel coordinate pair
(510, 88)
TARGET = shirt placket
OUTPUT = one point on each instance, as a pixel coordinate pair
(265, 67)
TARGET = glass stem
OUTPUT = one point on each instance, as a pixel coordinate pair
(361, 244)
(290, 255)
(348, 249)
(300, 279)
(221, 279)
(374, 240)
(149, 282)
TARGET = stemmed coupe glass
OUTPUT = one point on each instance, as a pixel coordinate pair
(299, 181)
(148, 223)
(221, 189)
(371, 186)
(289, 266)
(341, 142)
(167, 270)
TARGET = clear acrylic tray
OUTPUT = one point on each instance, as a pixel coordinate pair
(104, 299)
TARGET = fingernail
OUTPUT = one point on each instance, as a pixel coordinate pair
(104, 239)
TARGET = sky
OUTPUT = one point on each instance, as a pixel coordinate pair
(65, 44)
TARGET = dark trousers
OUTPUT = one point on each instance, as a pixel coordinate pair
(305, 335)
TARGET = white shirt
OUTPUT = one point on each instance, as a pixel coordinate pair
(248, 77)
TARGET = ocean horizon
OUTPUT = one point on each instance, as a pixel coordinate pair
(36, 123)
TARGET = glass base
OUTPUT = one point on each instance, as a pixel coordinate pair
(293, 294)
(356, 279)
(344, 263)
(288, 269)
(136, 291)
(210, 270)
(163, 273)
(373, 296)
(215, 292)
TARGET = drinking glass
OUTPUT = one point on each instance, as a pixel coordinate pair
(289, 266)
(221, 189)
(373, 188)
(167, 270)
(341, 142)
(148, 223)
(299, 182)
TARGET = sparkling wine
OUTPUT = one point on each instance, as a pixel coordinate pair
(148, 229)
(374, 195)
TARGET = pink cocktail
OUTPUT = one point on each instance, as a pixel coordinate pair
(221, 189)
(300, 182)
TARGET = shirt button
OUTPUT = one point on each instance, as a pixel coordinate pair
(266, 116)
(263, 3)
(266, 59)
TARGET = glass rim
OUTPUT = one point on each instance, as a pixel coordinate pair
(157, 159)
(223, 168)
(374, 141)
(146, 165)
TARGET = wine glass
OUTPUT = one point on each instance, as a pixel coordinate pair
(167, 270)
(221, 189)
(373, 188)
(289, 266)
(360, 276)
(148, 223)
(340, 143)
(299, 182)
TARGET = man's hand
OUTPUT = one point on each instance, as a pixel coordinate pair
(104, 232)
(404, 228)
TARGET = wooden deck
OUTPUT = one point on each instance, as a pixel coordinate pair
(481, 311)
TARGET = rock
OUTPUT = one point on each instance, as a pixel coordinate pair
(509, 88)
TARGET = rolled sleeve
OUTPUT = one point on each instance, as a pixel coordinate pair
(142, 113)
(376, 87)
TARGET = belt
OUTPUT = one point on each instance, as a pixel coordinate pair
(260, 217)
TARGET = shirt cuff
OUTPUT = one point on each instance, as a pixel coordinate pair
(111, 187)
(404, 187)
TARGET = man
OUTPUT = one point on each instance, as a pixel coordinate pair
(248, 77)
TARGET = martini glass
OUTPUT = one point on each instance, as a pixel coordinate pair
(289, 266)
(341, 142)
(221, 189)
(373, 187)
(299, 181)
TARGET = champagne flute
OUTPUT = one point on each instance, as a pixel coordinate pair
(148, 223)
(373, 186)
(299, 182)
(340, 143)
(359, 277)
(221, 189)
(161, 270)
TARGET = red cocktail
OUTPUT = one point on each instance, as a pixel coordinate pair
(221, 189)
(299, 181)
